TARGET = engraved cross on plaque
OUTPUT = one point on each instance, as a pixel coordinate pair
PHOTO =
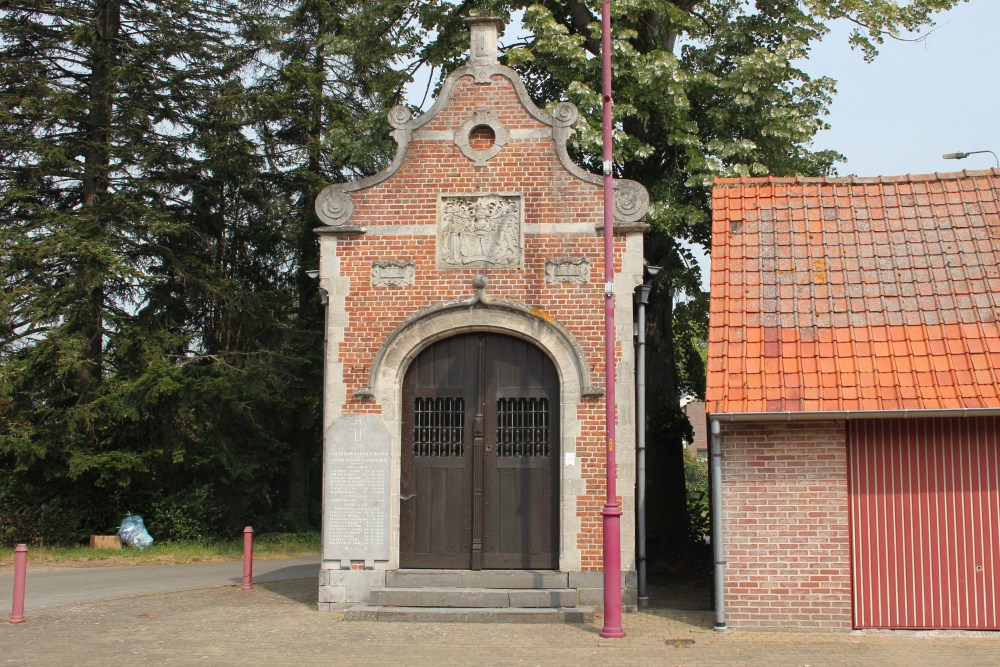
(358, 428)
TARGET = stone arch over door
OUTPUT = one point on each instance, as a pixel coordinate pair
(422, 330)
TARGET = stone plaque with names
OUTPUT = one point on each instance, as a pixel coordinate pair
(357, 494)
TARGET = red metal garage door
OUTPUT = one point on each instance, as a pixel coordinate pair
(925, 523)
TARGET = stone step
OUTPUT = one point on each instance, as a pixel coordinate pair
(473, 597)
(521, 579)
(469, 615)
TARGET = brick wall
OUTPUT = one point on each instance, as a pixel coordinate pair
(562, 216)
(551, 196)
(784, 489)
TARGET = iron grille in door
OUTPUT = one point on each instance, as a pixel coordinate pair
(522, 427)
(438, 425)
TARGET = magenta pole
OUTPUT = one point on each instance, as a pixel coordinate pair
(611, 514)
(20, 574)
(247, 558)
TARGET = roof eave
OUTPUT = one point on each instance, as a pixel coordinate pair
(853, 414)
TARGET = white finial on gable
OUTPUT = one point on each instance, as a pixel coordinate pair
(483, 33)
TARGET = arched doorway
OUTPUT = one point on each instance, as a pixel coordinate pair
(480, 446)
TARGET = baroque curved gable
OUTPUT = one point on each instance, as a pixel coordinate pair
(334, 205)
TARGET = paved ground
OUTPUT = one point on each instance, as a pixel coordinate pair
(60, 586)
(277, 624)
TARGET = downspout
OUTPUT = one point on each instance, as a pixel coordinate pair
(324, 300)
(642, 297)
(641, 301)
(718, 551)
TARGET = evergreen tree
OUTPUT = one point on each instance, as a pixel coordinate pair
(160, 338)
(142, 276)
(326, 74)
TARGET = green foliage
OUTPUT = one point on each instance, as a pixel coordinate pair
(698, 498)
(191, 514)
(230, 547)
(703, 89)
(148, 334)
(690, 329)
(159, 334)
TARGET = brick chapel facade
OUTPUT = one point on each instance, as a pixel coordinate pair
(463, 403)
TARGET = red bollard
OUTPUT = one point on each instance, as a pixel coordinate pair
(247, 558)
(20, 574)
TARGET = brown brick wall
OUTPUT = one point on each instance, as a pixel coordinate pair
(784, 488)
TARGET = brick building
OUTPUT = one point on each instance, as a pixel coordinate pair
(695, 412)
(463, 409)
(854, 395)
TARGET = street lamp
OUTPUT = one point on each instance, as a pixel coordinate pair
(611, 513)
(963, 155)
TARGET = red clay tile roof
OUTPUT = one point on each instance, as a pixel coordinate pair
(855, 294)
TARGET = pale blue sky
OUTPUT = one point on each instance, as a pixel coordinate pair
(916, 101)
(898, 114)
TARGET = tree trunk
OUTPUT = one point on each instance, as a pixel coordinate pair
(310, 316)
(89, 321)
(666, 494)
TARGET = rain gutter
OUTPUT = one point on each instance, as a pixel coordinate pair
(853, 414)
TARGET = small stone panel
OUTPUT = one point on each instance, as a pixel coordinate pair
(480, 231)
(569, 270)
(357, 495)
(393, 272)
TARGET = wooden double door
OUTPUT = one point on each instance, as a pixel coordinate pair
(480, 447)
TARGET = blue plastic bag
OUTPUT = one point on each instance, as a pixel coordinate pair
(133, 532)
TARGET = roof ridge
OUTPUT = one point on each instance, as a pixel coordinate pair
(722, 181)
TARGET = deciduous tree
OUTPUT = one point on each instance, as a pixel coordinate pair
(703, 88)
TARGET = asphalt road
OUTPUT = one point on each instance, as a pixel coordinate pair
(46, 587)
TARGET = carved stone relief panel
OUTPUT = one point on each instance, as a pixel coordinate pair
(480, 230)
(393, 272)
(571, 270)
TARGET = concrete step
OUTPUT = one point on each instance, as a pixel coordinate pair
(473, 597)
(520, 579)
(469, 615)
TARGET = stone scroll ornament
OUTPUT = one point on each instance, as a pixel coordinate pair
(565, 115)
(334, 207)
(480, 229)
(399, 116)
(631, 201)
